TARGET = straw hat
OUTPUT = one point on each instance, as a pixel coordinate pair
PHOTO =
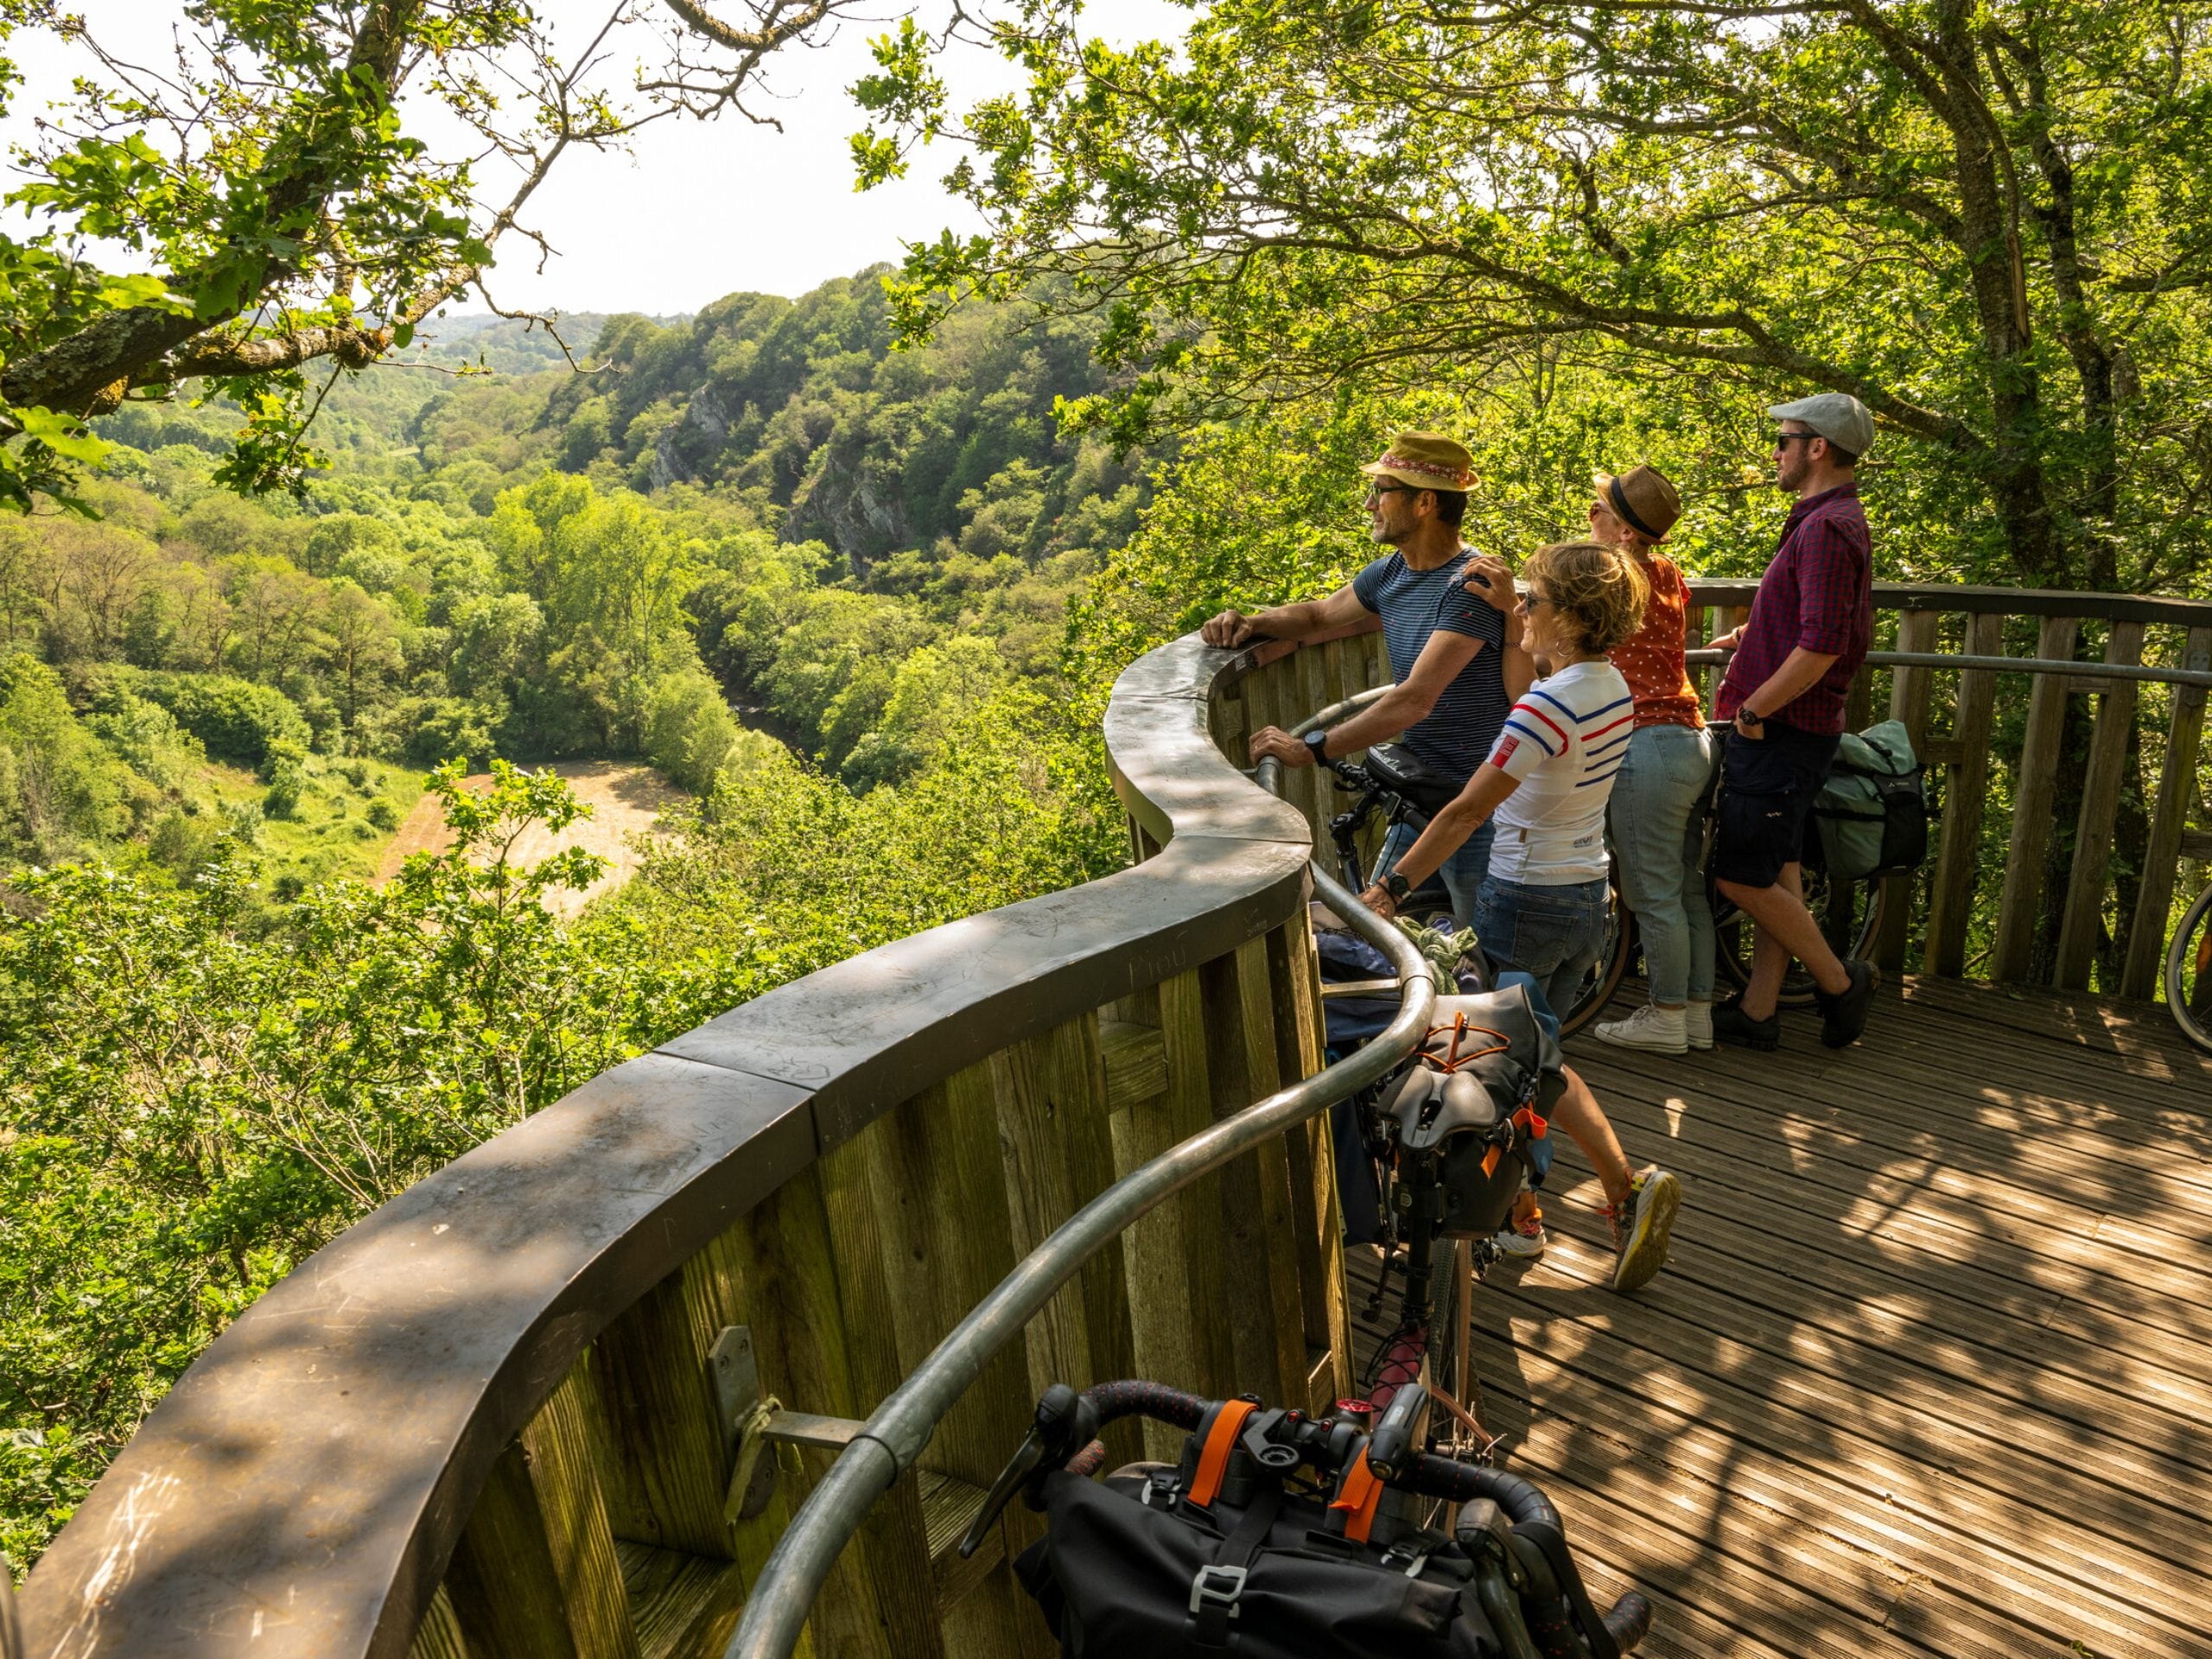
(1426, 460)
(1642, 498)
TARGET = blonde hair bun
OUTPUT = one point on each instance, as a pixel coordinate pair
(1598, 589)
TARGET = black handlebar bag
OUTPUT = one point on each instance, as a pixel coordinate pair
(1134, 1567)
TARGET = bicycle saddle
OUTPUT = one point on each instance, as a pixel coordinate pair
(1396, 770)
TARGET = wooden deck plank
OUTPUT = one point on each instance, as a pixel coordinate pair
(1927, 1372)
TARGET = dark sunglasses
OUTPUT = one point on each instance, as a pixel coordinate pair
(1784, 439)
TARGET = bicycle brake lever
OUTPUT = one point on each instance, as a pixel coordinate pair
(1064, 1421)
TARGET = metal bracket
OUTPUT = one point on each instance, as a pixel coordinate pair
(752, 1423)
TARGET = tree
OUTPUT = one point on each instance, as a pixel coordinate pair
(1993, 224)
(359, 643)
(276, 212)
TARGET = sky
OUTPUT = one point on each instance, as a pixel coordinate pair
(698, 210)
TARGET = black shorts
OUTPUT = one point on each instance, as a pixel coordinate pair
(1766, 801)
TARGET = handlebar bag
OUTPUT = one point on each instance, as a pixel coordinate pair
(1129, 1570)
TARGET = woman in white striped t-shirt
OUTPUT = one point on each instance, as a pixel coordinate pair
(1542, 907)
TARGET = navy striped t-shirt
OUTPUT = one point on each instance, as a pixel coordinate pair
(1456, 736)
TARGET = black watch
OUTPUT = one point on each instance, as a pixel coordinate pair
(1397, 888)
(1317, 744)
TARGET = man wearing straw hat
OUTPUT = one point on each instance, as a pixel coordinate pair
(1448, 623)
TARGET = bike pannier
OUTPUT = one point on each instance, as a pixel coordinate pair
(1871, 814)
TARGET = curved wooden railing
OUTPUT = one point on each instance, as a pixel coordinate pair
(500, 1415)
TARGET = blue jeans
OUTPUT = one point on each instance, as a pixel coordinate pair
(1658, 821)
(1551, 934)
(1463, 873)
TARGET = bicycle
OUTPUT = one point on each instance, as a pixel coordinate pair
(2189, 973)
(1404, 791)
(1272, 1515)
(1449, 1137)
(1850, 914)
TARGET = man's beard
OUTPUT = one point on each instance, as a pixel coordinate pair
(1388, 535)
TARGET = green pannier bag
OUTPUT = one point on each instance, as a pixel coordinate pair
(1872, 810)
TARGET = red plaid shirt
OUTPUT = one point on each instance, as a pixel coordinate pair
(1818, 592)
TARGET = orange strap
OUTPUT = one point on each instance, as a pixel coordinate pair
(1213, 1457)
(1360, 1496)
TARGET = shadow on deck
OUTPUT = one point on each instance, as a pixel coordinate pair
(1929, 1369)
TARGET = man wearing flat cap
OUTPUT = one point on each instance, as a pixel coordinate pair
(1448, 623)
(1782, 702)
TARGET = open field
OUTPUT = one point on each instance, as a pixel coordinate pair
(625, 797)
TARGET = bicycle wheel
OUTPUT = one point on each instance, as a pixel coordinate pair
(1850, 915)
(1606, 973)
(2189, 973)
(1446, 1366)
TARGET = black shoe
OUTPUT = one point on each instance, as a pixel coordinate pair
(1732, 1026)
(1843, 1015)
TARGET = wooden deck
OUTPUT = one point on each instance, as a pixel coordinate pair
(1931, 1367)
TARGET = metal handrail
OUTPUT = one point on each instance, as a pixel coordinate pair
(783, 1595)
(2061, 665)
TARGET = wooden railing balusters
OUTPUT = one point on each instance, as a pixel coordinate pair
(1966, 785)
(535, 1575)
(2146, 941)
(2035, 786)
(2082, 918)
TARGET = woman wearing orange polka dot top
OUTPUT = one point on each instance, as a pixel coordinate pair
(1654, 818)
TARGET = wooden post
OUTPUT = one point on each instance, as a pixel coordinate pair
(2086, 882)
(814, 1300)
(1058, 1154)
(1965, 783)
(1294, 973)
(2035, 783)
(1908, 689)
(1176, 1269)
(2146, 939)
(535, 1575)
(935, 1171)
(438, 1637)
(1266, 1321)
(665, 1451)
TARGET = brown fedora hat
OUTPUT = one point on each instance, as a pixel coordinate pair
(1642, 498)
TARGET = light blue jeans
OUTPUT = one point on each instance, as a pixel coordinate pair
(1657, 820)
(1462, 873)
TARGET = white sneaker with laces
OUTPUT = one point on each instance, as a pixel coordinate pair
(1662, 1030)
(1697, 1024)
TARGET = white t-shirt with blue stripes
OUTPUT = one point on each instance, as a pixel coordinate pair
(1564, 740)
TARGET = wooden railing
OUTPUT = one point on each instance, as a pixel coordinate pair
(2006, 750)
(502, 1415)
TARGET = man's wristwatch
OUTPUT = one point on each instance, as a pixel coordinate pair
(1397, 888)
(1317, 745)
(1745, 712)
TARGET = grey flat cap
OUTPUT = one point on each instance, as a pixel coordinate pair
(1836, 415)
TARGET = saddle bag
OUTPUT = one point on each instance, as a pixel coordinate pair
(1481, 1089)
(1871, 816)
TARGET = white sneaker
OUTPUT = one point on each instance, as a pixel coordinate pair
(1523, 1239)
(1697, 1024)
(1662, 1030)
